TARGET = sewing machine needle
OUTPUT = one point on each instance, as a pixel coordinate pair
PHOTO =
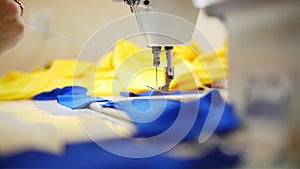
(156, 78)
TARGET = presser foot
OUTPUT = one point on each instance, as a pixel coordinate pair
(165, 88)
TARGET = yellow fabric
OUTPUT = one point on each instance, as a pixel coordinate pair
(126, 68)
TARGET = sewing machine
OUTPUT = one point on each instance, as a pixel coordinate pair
(164, 24)
(264, 74)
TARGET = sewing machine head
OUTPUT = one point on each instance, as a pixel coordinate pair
(164, 24)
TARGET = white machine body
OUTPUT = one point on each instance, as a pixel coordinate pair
(165, 22)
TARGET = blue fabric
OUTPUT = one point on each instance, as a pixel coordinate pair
(74, 97)
(167, 111)
(78, 101)
(91, 156)
(153, 117)
(68, 90)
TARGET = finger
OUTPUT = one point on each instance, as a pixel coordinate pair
(21, 6)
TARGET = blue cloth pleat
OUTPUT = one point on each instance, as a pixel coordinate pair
(78, 101)
(68, 90)
(74, 97)
(167, 111)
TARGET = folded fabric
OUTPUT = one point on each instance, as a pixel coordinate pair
(154, 116)
(126, 68)
(74, 97)
(78, 101)
(68, 90)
